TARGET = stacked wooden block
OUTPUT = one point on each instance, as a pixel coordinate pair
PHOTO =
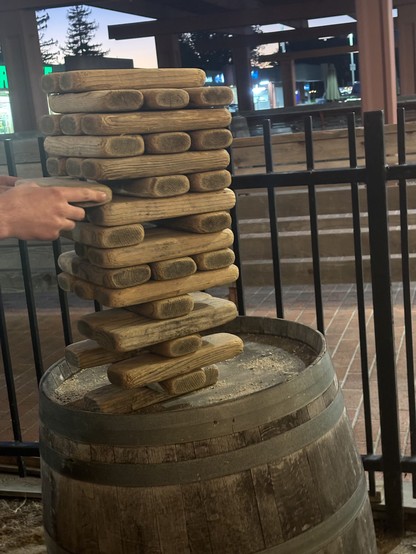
(157, 138)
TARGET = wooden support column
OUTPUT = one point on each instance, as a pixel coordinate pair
(407, 48)
(377, 62)
(21, 51)
(167, 51)
(242, 68)
(288, 76)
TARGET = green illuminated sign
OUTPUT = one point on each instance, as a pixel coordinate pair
(4, 83)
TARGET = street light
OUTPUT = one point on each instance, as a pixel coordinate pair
(353, 67)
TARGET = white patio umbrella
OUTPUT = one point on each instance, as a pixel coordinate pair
(331, 85)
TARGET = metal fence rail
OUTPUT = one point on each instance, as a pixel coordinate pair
(374, 175)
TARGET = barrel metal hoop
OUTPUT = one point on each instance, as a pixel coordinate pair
(199, 469)
(316, 538)
(52, 546)
(186, 425)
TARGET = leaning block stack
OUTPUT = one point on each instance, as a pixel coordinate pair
(158, 139)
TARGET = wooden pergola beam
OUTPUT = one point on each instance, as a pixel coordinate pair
(318, 53)
(231, 18)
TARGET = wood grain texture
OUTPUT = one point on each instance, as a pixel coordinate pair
(151, 187)
(167, 143)
(210, 96)
(50, 124)
(123, 211)
(148, 368)
(132, 276)
(153, 165)
(209, 180)
(210, 139)
(94, 147)
(105, 237)
(56, 166)
(152, 122)
(152, 290)
(172, 269)
(87, 353)
(216, 259)
(182, 384)
(111, 399)
(122, 330)
(113, 79)
(71, 124)
(211, 222)
(165, 99)
(158, 244)
(97, 101)
(177, 347)
(50, 82)
(166, 308)
(73, 167)
(81, 288)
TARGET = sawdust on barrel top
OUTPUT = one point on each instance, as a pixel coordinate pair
(267, 360)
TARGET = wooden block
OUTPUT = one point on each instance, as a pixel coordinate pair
(95, 147)
(158, 244)
(165, 99)
(123, 211)
(81, 250)
(155, 290)
(69, 182)
(151, 187)
(56, 167)
(200, 223)
(115, 79)
(184, 383)
(208, 261)
(132, 276)
(69, 283)
(177, 347)
(147, 368)
(210, 96)
(73, 167)
(71, 124)
(211, 375)
(114, 400)
(153, 165)
(210, 180)
(167, 308)
(210, 139)
(87, 353)
(172, 269)
(151, 122)
(97, 101)
(167, 143)
(51, 82)
(123, 330)
(50, 124)
(105, 237)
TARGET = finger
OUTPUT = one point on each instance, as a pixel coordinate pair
(75, 213)
(67, 225)
(7, 180)
(80, 194)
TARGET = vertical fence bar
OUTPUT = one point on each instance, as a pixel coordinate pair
(314, 229)
(236, 248)
(383, 317)
(359, 279)
(57, 250)
(27, 281)
(274, 232)
(407, 297)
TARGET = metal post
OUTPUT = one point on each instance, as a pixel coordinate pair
(383, 317)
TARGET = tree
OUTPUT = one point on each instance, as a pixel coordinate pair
(196, 51)
(48, 55)
(80, 32)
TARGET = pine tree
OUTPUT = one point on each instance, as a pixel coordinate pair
(80, 32)
(48, 55)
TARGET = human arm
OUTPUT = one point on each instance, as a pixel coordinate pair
(32, 212)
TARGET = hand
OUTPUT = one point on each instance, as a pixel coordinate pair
(32, 212)
(7, 181)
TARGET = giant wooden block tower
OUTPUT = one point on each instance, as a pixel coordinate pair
(157, 138)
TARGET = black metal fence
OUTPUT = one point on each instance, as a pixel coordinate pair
(374, 175)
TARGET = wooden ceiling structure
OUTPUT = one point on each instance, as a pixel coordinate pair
(374, 28)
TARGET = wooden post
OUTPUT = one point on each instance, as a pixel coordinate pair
(407, 48)
(288, 76)
(21, 50)
(377, 62)
(241, 60)
(167, 51)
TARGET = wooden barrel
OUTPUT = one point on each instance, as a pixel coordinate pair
(264, 461)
